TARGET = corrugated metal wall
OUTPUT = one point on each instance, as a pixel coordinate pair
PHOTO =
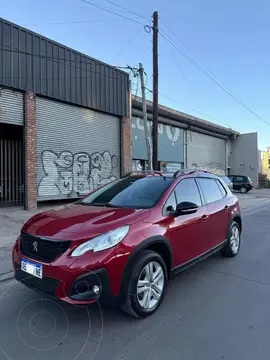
(170, 141)
(206, 152)
(31, 62)
(77, 149)
(11, 107)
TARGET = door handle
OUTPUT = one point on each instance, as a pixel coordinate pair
(205, 217)
(226, 208)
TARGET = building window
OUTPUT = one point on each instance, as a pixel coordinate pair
(139, 165)
(170, 167)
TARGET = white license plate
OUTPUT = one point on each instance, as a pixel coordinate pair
(31, 268)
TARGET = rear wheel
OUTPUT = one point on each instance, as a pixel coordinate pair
(147, 285)
(243, 190)
(232, 245)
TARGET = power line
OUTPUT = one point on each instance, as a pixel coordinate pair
(74, 22)
(125, 9)
(127, 44)
(58, 62)
(111, 12)
(211, 76)
(185, 79)
(57, 3)
(196, 111)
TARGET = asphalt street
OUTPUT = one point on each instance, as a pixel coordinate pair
(219, 309)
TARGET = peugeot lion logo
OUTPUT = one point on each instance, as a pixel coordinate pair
(35, 246)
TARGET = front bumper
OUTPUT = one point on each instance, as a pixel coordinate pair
(72, 286)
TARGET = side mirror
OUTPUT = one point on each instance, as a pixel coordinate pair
(185, 208)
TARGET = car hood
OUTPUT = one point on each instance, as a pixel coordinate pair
(79, 222)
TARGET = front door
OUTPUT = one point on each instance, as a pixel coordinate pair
(187, 233)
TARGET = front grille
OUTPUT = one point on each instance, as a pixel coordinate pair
(46, 285)
(42, 249)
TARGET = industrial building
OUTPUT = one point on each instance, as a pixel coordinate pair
(62, 117)
(187, 141)
(68, 125)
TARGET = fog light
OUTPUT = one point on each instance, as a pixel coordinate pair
(96, 289)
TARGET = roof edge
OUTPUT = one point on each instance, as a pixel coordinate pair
(181, 117)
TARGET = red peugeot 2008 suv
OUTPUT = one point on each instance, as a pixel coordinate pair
(120, 243)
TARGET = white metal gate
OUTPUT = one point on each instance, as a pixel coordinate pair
(11, 107)
(77, 149)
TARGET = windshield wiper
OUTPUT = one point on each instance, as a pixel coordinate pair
(91, 204)
(112, 206)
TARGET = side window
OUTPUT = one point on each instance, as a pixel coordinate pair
(187, 190)
(221, 188)
(239, 179)
(171, 202)
(210, 190)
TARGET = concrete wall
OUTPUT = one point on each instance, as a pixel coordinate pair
(244, 157)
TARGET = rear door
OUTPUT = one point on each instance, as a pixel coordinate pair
(215, 198)
(187, 233)
(238, 182)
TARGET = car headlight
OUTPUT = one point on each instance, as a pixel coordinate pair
(102, 242)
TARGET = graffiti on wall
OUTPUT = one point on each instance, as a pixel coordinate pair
(214, 168)
(68, 173)
(172, 132)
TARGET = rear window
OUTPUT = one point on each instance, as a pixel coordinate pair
(226, 179)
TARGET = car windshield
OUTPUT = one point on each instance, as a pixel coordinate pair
(131, 192)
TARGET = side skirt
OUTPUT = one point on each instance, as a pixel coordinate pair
(194, 261)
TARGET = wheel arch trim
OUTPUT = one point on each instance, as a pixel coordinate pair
(144, 245)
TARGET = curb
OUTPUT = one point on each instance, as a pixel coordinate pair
(7, 276)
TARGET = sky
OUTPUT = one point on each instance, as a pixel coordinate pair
(228, 37)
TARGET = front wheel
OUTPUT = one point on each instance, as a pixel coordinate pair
(147, 285)
(232, 245)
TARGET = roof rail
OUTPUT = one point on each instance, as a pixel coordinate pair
(154, 172)
(188, 171)
(144, 172)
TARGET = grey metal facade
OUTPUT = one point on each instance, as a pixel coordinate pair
(31, 62)
(244, 159)
(206, 152)
(170, 141)
(11, 107)
(77, 149)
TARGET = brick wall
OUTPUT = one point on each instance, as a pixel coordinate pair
(30, 151)
(126, 148)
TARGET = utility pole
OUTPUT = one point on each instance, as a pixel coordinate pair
(146, 128)
(155, 90)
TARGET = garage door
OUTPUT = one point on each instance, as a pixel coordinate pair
(206, 152)
(11, 107)
(78, 150)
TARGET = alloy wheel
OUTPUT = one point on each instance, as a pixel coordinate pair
(150, 285)
(235, 239)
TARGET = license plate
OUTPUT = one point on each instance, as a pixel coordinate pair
(31, 268)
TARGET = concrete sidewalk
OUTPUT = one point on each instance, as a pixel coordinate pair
(12, 219)
(11, 222)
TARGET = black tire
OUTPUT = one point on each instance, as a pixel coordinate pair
(243, 190)
(131, 304)
(228, 250)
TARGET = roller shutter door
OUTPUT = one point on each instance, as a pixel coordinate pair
(11, 107)
(78, 150)
(206, 152)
